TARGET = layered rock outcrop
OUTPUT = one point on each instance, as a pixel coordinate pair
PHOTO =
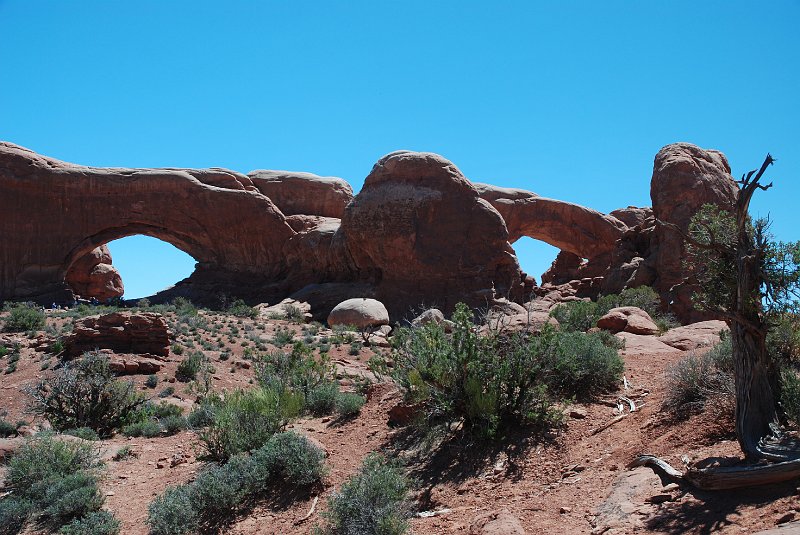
(121, 332)
(93, 276)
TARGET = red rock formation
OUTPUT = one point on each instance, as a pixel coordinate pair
(573, 228)
(122, 332)
(92, 275)
(55, 213)
(419, 230)
(303, 193)
(685, 177)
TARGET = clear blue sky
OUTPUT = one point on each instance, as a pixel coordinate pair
(568, 99)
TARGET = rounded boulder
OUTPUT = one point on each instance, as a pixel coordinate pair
(360, 312)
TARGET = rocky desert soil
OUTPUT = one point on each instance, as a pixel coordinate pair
(574, 480)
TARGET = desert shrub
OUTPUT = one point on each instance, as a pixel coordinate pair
(245, 419)
(184, 307)
(299, 373)
(242, 310)
(374, 501)
(696, 379)
(71, 497)
(172, 513)
(25, 317)
(58, 479)
(7, 429)
(790, 395)
(177, 349)
(576, 315)
(201, 416)
(14, 513)
(173, 424)
(85, 393)
(577, 364)
(167, 392)
(3, 351)
(287, 458)
(348, 404)
(293, 313)
(125, 452)
(96, 523)
(490, 382)
(147, 429)
(85, 433)
(322, 399)
(783, 340)
(189, 367)
(283, 337)
(151, 381)
(643, 297)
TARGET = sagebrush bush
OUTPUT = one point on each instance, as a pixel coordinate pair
(288, 458)
(322, 399)
(245, 419)
(14, 513)
(497, 382)
(696, 379)
(576, 315)
(7, 429)
(348, 404)
(299, 373)
(85, 433)
(84, 393)
(24, 317)
(96, 523)
(172, 513)
(790, 395)
(55, 480)
(783, 340)
(190, 366)
(374, 501)
(146, 428)
(284, 462)
(242, 310)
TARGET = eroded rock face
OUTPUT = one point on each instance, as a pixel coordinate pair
(579, 230)
(685, 177)
(92, 275)
(121, 332)
(695, 335)
(303, 193)
(420, 232)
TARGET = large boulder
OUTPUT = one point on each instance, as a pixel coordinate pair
(92, 275)
(695, 335)
(419, 230)
(629, 319)
(685, 177)
(362, 313)
(122, 332)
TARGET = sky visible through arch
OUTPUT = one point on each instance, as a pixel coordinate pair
(570, 100)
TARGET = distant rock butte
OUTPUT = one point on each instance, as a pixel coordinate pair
(419, 234)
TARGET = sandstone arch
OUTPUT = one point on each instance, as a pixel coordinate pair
(571, 227)
(215, 215)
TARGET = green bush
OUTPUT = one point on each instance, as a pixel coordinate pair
(349, 404)
(241, 309)
(492, 383)
(790, 395)
(172, 513)
(71, 497)
(151, 382)
(288, 458)
(322, 399)
(783, 340)
(147, 429)
(299, 373)
(3, 351)
(54, 480)
(577, 315)
(25, 317)
(577, 364)
(189, 367)
(85, 394)
(583, 315)
(173, 424)
(167, 392)
(696, 379)
(96, 523)
(201, 416)
(245, 419)
(374, 501)
(14, 513)
(7, 429)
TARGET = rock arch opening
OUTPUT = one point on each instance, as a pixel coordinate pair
(535, 256)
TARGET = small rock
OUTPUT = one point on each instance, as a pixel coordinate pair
(565, 510)
(787, 517)
(659, 498)
(578, 413)
(672, 487)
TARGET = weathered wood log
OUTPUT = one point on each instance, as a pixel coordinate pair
(723, 478)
